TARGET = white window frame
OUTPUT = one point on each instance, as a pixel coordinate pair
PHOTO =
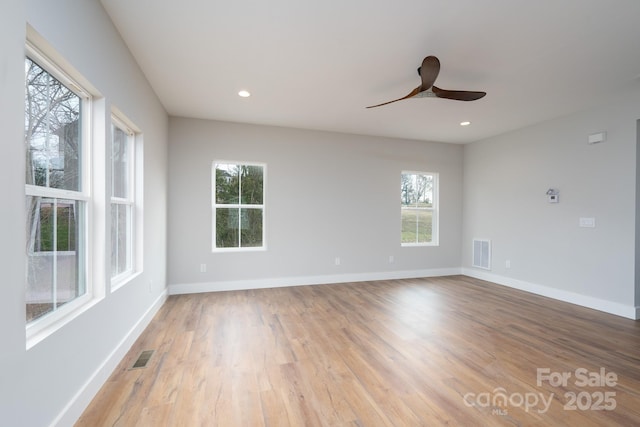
(434, 209)
(262, 206)
(41, 327)
(118, 120)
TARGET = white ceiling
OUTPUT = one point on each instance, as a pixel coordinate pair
(318, 64)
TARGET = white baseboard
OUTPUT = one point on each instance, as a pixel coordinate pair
(628, 311)
(73, 410)
(237, 285)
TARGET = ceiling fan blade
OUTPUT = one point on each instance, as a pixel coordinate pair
(458, 95)
(429, 71)
(412, 94)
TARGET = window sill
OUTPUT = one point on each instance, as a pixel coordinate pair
(38, 330)
(122, 279)
(231, 250)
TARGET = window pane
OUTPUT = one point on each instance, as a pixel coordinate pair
(39, 292)
(407, 190)
(251, 227)
(66, 229)
(227, 184)
(45, 227)
(55, 273)
(68, 286)
(120, 163)
(120, 241)
(251, 185)
(416, 225)
(424, 190)
(424, 221)
(52, 131)
(227, 235)
(416, 190)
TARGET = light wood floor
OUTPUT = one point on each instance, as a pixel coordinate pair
(437, 351)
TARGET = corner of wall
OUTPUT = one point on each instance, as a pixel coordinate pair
(622, 310)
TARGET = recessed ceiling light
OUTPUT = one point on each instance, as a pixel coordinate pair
(465, 123)
(244, 94)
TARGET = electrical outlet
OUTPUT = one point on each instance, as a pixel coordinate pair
(203, 268)
(587, 222)
(391, 259)
(337, 261)
(507, 264)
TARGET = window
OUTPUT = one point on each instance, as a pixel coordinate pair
(56, 190)
(122, 198)
(238, 206)
(418, 208)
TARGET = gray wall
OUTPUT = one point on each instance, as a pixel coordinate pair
(505, 181)
(48, 382)
(328, 195)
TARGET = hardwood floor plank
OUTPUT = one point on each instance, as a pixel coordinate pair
(436, 351)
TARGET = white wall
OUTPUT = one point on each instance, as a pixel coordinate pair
(505, 181)
(52, 381)
(12, 314)
(328, 195)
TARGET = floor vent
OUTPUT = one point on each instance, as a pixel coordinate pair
(482, 254)
(143, 359)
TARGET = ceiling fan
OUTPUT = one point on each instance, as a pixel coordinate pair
(428, 73)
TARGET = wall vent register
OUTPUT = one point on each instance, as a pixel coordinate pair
(482, 254)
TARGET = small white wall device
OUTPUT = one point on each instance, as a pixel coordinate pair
(596, 138)
(553, 195)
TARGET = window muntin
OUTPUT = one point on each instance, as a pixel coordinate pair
(238, 206)
(418, 208)
(122, 198)
(56, 129)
